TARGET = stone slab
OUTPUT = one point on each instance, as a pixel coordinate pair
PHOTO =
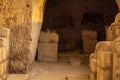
(47, 52)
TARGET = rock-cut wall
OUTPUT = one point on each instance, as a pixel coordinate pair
(16, 14)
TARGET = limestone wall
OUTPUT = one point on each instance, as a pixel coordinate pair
(24, 18)
(16, 14)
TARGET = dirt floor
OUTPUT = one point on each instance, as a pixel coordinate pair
(69, 67)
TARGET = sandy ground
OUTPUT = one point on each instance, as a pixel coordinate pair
(67, 68)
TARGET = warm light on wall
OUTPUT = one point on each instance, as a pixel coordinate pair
(38, 10)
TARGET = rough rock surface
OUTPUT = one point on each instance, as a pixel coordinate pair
(4, 52)
(20, 48)
(16, 14)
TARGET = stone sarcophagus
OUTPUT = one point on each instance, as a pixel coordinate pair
(48, 46)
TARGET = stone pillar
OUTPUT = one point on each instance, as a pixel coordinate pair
(101, 61)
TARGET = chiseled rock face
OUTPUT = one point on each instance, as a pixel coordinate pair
(20, 41)
(16, 14)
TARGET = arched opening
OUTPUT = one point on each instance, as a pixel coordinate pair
(68, 19)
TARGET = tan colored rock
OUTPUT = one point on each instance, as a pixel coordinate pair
(4, 32)
(116, 75)
(20, 42)
(93, 56)
(4, 42)
(103, 46)
(104, 59)
(3, 63)
(47, 52)
(117, 17)
(104, 74)
(116, 60)
(113, 31)
(93, 65)
(109, 34)
(92, 76)
(18, 77)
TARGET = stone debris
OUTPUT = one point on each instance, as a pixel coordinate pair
(20, 47)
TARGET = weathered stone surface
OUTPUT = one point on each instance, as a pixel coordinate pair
(92, 76)
(49, 37)
(93, 65)
(103, 46)
(47, 52)
(113, 31)
(116, 75)
(20, 41)
(117, 18)
(4, 42)
(3, 63)
(93, 56)
(16, 14)
(109, 34)
(4, 32)
(118, 3)
(104, 59)
(116, 60)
